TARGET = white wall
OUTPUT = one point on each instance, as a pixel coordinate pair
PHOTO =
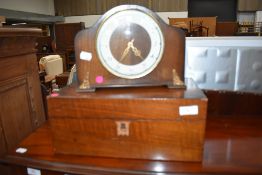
(45, 7)
(89, 20)
(258, 16)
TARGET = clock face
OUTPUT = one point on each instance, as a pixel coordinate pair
(130, 44)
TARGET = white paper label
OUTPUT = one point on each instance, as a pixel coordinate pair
(21, 150)
(86, 56)
(188, 110)
(31, 171)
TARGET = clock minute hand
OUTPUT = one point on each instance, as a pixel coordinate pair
(124, 53)
(129, 45)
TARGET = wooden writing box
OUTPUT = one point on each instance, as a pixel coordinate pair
(142, 123)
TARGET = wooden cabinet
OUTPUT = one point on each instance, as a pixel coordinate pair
(109, 121)
(247, 5)
(21, 106)
(2, 140)
(65, 34)
(226, 28)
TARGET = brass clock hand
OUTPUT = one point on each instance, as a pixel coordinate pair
(135, 50)
(129, 45)
(124, 53)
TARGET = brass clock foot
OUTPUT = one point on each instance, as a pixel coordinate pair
(85, 85)
(177, 82)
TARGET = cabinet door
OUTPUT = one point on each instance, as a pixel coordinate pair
(2, 141)
(247, 5)
(15, 110)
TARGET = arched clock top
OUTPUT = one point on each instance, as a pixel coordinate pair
(130, 46)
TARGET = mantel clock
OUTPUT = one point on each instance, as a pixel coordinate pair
(130, 46)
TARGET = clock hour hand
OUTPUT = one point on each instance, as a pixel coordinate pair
(137, 52)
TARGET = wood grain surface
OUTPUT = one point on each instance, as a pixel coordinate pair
(232, 146)
(21, 105)
(87, 124)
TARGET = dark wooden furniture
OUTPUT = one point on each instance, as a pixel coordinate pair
(232, 146)
(64, 36)
(147, 121)
(198, 29)
(207, 22)
(227, 103)
(226, 28)
(61, 79)
(21, 106)
(44, 44)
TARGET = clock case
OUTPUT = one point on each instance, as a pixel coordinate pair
(169, 71)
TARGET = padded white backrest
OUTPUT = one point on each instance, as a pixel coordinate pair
(53, 64)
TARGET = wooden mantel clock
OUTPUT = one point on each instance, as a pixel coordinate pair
(130, 46)
(132, 49)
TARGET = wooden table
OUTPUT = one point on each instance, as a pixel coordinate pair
(233, 144)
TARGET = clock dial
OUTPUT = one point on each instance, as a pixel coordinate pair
(130, 44)
(136, 44)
